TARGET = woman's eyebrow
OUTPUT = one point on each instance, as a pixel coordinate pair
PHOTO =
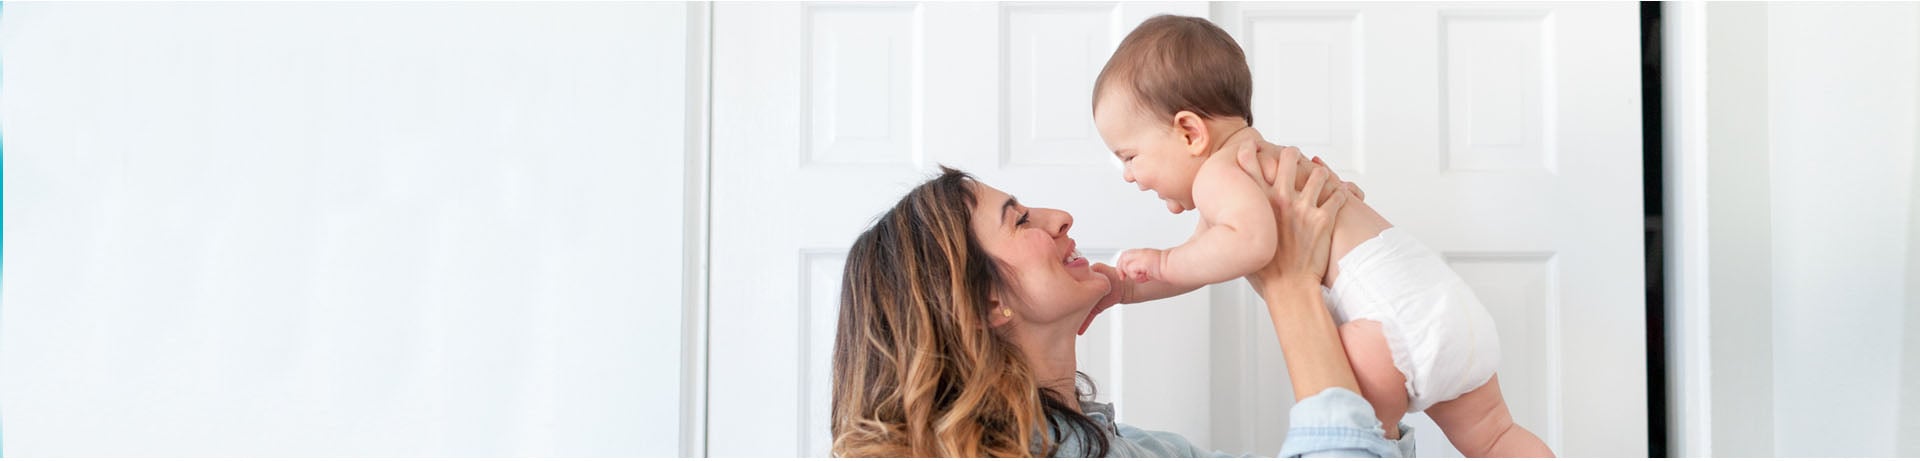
(1006, 207)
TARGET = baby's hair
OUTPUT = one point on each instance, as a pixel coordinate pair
(1175, 63)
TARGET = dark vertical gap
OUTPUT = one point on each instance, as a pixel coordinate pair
(3, 227)
(1652, 199)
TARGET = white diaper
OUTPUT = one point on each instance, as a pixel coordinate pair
(1442, 338)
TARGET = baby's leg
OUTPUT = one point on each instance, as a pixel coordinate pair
(1380, 383)
(1480, 426)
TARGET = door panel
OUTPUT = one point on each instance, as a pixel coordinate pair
(1507, 138)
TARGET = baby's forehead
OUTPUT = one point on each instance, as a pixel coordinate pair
(1120, 95)
(1119, 104)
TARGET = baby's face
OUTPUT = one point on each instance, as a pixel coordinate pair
(1155, 155)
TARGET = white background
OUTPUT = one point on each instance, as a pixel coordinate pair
(461, 230)
(343, 229)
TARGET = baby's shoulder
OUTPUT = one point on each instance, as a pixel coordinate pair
(1222, 189)
(1220, 173)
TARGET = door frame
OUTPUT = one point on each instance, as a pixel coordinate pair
(1683, 52)
(695, 249)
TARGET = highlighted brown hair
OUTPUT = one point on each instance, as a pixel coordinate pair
(918, 370)
(1175, 63)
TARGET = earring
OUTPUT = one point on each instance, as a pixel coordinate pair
(1006, 312)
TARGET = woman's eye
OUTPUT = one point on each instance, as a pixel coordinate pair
(1023, 219)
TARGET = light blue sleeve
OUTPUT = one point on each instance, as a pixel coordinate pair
(1140, 443)
(1126, 441)
(1334, 423)
(1337, 423)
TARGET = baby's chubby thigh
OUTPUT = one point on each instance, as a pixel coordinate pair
(1381, 383)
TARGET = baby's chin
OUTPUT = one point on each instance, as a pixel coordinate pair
(1174, 206)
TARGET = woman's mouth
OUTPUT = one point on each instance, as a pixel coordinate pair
(1073, 258)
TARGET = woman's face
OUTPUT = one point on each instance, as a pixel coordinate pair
(1049, 282)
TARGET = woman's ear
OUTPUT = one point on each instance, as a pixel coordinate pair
(998, 315)
(1192, 129)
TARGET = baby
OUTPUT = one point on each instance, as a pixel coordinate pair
(1178, 90)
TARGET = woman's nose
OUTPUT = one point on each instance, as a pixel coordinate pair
(1063, 220)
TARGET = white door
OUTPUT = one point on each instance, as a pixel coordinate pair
(825, 114)
(1506, 137)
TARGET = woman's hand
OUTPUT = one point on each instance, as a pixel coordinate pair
(1118, 287)
(1305, 215)
(1261, 160)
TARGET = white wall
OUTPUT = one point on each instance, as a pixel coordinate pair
(1814, 112)
(368, 229)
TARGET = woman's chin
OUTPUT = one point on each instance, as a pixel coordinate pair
(1096, 288)
(1087, 277)
(1081, 272)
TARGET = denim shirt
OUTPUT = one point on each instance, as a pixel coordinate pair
(1334, 423)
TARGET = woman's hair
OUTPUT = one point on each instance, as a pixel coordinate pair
(917, 369)
(1175, 63)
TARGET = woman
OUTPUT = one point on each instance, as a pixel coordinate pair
(959, 309)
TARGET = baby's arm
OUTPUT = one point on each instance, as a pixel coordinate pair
(1143, 288)
(1237, 238)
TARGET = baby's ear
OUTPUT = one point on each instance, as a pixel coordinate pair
(1192, 129)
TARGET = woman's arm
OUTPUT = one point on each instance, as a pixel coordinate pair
(1290, 282)
(1329, 418)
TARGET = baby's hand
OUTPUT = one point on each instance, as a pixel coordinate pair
(1141, 264)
